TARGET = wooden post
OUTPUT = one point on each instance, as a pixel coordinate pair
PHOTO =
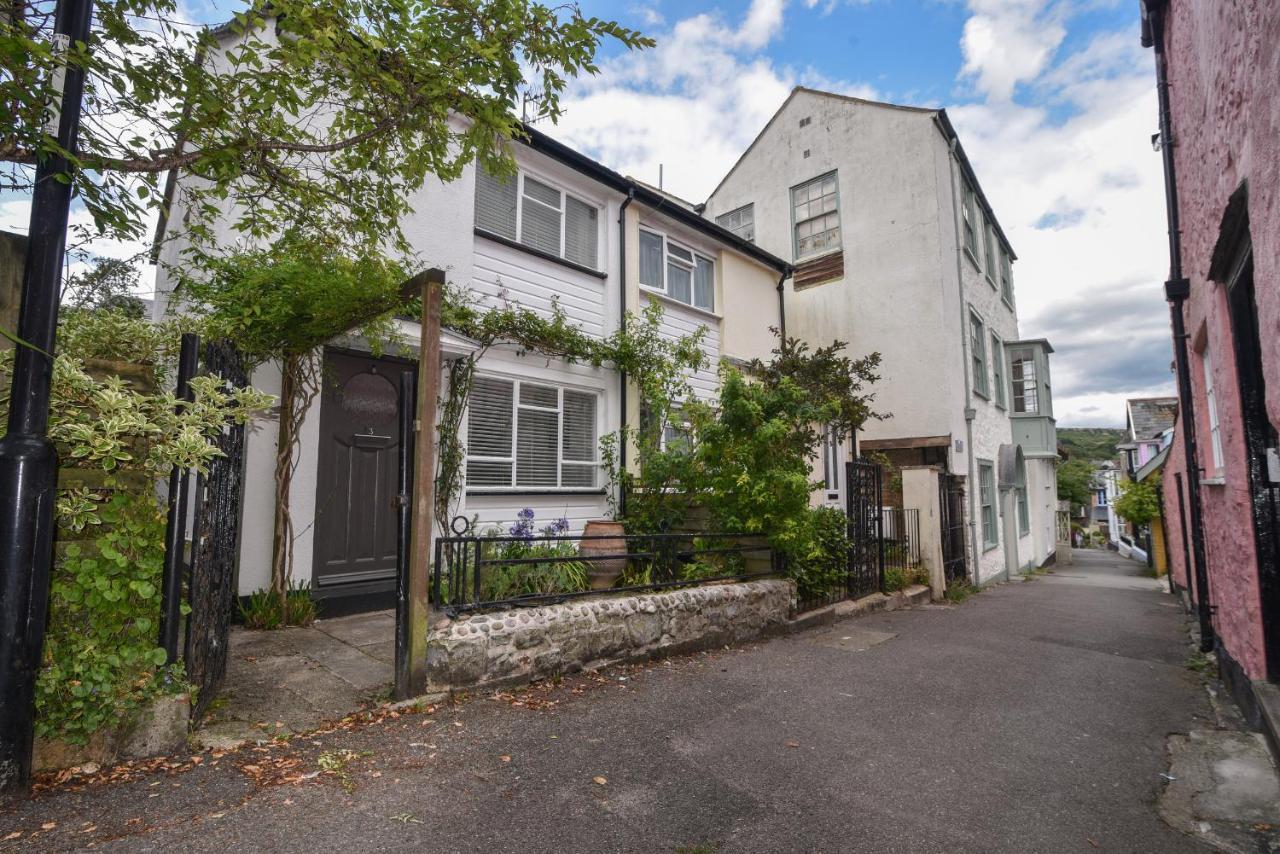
(430, 285)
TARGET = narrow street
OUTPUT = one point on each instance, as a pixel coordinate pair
(1031, 718)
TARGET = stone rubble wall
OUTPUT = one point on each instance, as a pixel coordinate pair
(517, 646)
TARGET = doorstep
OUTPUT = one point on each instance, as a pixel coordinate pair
(913, 596)
(1267, 696)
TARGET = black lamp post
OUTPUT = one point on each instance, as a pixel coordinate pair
(28, 464)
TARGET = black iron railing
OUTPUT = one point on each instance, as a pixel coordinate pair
(472, 573)
(900, 538)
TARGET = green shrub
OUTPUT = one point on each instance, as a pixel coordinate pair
(115, 443)
(818, 552)
(264, 611)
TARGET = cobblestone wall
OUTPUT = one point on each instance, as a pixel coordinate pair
(529, 643)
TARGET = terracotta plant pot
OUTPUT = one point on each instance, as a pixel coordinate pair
(603, 573)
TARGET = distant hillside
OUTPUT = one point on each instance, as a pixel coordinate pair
(1093, 444)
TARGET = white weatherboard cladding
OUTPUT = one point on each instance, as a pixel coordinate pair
(678, 322)
(500, 272)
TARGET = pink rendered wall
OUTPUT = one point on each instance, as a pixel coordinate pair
(1224, 64)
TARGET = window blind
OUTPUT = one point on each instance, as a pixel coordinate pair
(495, 204)
(651, 259)
(530, 435)
(540, 216)
(489, 427)
(704, 284)
(580, 232)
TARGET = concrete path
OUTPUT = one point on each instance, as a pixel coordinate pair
(1032, 718)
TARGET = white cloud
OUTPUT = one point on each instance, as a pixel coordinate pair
(692, 104)
(1081, 199)
(1007, 42)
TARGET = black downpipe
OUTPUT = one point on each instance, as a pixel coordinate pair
(1177, 289)
(782, 306)
(622, 327)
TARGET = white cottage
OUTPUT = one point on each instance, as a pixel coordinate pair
(565, 228)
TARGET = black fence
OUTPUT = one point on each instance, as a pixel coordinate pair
(472, 573)
(900, 538)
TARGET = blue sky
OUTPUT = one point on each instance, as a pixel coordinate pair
(1054, 101)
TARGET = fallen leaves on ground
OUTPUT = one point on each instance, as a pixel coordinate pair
(600, 781)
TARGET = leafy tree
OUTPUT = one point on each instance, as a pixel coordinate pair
(1138, 502)
(1075, 479)
(317, 114)
(109, 283)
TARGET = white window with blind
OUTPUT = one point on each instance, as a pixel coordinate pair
(538, 214)
(1211, 407)
(676, 271)
(815, 216)
(741, 221)
(526, 435)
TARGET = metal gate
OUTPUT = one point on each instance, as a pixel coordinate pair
(215, 543)
(863, 483)
(951, 501)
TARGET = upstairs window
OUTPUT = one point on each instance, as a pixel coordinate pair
(1006, 278)
(677, 271)
(978, 346)
(530, 211)
(1026, 394)
(741, 222)
(989, 244)
(997, 370)
(815, 210)
(530, 435)
(969, 213)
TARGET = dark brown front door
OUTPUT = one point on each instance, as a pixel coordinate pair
(355, 526)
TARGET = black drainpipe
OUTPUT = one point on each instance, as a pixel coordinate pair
(1177, 289)
(622, 326)
(782, 308)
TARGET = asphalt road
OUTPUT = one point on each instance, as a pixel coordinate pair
(1032, 718)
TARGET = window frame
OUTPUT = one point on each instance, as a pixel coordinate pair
(1006, 277)
(978, 354)
(749, 207)
(692, 266)
(795, 223)
(1211, 411)
(565, 195)
(990, 253)
(998, 372)
(1021, 384)
(514, 487)
(987, 485)
(969, 224)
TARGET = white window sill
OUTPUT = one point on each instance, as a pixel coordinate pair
(973, 259)
(992, 282)
(663, 297)
(1213, 481)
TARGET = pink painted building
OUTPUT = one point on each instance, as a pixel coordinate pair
(1221, 67)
